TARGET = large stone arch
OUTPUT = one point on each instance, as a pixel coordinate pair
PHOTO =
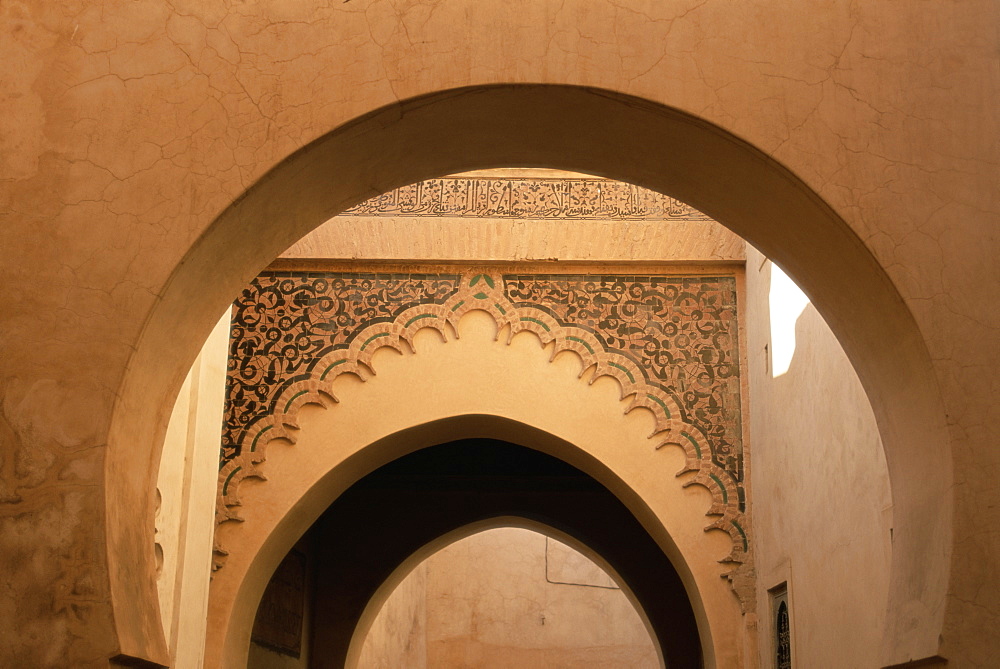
(553, 126)
(435, 396)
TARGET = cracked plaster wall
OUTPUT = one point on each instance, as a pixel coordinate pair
(128, 126)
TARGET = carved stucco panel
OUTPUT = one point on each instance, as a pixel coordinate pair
(670, 342)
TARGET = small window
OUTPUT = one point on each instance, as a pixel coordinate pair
(782, 628)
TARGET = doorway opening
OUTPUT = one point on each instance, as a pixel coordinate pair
(390, 521)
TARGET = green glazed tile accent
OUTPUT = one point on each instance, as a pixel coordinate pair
(373, 338)
(253, 446)
(293, 398)
(417, 318)
(332, 365)
(581, 341)
(746, 545)
(485, 277)
(694, 443)
(624, 369)
(225, 486)
(458, 305)
(499, 308)
(480, 296)
(535, 320)
(725, 494)
(662, 404)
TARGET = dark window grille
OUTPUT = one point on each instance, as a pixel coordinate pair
(783, 638)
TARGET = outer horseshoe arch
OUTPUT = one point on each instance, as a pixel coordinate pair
(641, 141)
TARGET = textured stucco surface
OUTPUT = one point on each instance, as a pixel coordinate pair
(128, 127)
(398, 636)
(518, 238)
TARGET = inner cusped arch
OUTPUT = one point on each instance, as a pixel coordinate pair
(437, 395)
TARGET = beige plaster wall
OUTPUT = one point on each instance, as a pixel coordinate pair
(398, 635)
(822, 507)
(508, 597)
(186, 486)
(128, 126)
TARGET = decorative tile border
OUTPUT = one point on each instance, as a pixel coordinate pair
(669, 341)
(482, 197)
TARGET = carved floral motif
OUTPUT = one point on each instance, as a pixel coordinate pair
(284, 323)
(681, 331)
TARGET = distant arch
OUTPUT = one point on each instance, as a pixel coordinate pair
(382, 595)
(401, 513)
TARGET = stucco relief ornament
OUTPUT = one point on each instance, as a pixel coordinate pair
(485, 291)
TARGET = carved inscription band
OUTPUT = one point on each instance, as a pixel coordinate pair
(532, 198)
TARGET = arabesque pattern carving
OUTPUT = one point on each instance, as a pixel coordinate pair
(681, 331)
(671, 342)
(284, 323)
(580, 198)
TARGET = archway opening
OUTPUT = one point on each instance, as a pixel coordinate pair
(390, 520)
(509, 596)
